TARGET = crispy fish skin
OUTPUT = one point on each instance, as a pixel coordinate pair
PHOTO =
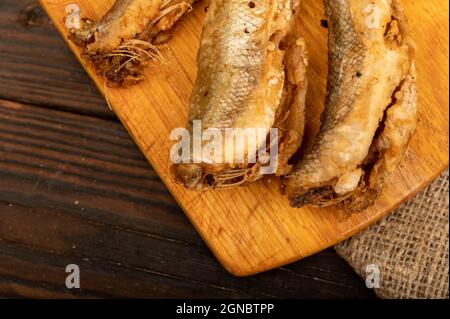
(251, 74)
(370, 109)
(106, 45)
(389, 146)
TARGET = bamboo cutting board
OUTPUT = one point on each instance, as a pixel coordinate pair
(253, 229)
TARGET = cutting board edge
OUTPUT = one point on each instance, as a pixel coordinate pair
(244, 272)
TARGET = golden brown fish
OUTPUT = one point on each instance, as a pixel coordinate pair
(129, 35)
(370, 111)
(251, 75)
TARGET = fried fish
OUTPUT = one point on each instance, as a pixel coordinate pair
(370, 109)
(129, 35)
(251, 74)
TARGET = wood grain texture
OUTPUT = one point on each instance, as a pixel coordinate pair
(76, 189)
(253, 229)
(37, 68)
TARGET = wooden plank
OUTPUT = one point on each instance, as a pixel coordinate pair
(76, 189)
(38, 68)
(253, 229)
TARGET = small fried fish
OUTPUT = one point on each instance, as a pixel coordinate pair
(370, 110)
(129, 35)
(251, 74)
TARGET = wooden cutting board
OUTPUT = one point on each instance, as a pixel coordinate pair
(253, 229)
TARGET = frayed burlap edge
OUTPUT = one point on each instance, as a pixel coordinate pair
(409, 247)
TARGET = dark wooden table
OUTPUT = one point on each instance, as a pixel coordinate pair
(74, 189)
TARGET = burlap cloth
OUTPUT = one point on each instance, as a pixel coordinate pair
(409, 247)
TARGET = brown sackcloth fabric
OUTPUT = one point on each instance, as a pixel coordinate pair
(409, 247)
